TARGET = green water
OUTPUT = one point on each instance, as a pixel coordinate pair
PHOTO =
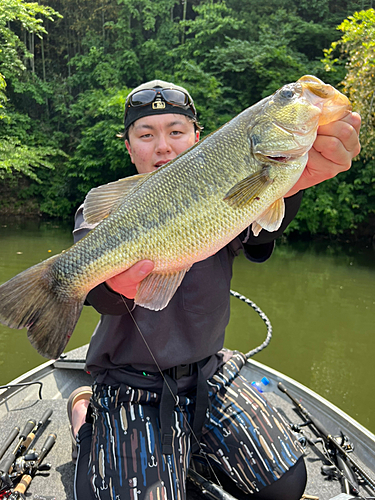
(319, 298)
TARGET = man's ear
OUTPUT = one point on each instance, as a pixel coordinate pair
(197, 135)
(128, 147)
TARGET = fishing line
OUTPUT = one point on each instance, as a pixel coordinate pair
(175, 398)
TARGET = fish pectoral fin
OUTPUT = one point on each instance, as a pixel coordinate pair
(157, 289)
(103, 200)
(271, 219)
(256, 228)
(249, 189)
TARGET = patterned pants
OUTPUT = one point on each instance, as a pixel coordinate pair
(243, 436)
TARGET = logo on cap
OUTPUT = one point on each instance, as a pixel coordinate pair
(158, 104)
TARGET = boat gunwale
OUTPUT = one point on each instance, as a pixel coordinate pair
(11, 389)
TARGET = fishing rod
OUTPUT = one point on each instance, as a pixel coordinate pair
(9, 440)
(207, 487)
(33, 468)
(6, 464)
(31, 436)
(344, 460)
(26, 437)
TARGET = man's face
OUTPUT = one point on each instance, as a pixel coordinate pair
(155, 140)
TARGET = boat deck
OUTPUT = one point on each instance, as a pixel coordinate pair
(60, 378)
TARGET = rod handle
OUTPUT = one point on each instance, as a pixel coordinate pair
(45, 417)
(349, 474)
(49, 442)
(282, 387)
(28, 428)
(31, 436)
(46, 448)
(6, 464)
(9, 440)
(23, 484)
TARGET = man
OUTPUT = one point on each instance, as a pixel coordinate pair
(156, 373)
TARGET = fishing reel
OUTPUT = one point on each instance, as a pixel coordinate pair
(300, 436)
(24, 464)
(343, 441)
(5, 484)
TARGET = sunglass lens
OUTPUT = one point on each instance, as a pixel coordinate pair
(175, 97)
(142, 97)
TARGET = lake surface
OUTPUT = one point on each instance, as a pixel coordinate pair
(319, 298)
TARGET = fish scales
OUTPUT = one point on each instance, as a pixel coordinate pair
(182, 213)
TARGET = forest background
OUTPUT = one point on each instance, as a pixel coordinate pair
(66, 67)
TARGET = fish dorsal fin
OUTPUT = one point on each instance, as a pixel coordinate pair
(103, 200)
(157, 289)
(250, 188)
(271, 219)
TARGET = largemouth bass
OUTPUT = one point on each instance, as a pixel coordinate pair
(180, 214)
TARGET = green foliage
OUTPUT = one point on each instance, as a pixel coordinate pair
(100, 155)
(357, 48)
(18, 157)
(25, 15)
(18, 153)
(2, 96)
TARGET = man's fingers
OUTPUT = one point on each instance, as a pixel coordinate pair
(335, 146)
(331, 149)
(354, 119)
(343, 132)
(127, 282)
(138, 272)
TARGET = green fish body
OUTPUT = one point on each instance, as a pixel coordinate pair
(180, 214)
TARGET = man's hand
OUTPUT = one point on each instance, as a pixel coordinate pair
(127, 282)
(337, 143)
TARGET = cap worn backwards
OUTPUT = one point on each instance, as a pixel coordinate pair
(158, 106)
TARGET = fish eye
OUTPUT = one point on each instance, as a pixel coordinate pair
(287, 93)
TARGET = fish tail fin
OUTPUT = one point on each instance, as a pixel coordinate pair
(32, 299)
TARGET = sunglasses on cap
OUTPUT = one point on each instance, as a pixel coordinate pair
(174, 97)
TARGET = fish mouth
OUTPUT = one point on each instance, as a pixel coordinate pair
(282, 156)
(333, 104)
(276, 158)
(279, 159)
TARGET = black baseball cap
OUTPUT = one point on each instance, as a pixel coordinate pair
(157, 97)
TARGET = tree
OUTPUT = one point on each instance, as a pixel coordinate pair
(17, 153)
(25, 17)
